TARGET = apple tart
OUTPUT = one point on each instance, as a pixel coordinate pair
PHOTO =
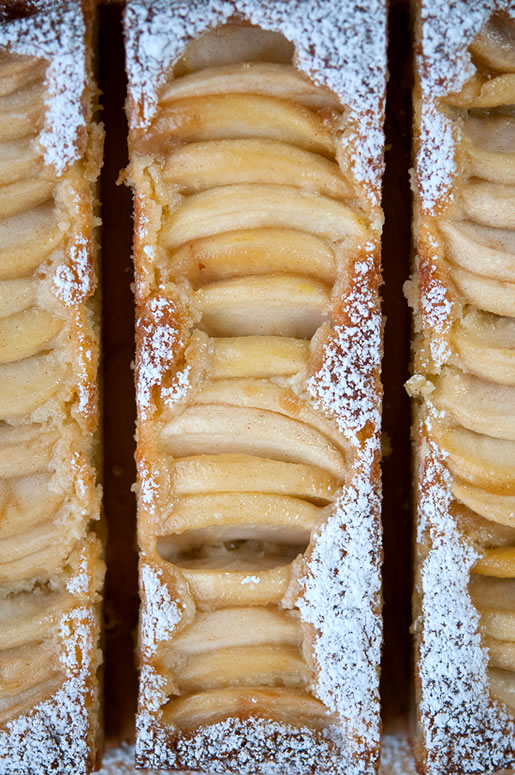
(255, 160)
(464, 299)
(50, 566)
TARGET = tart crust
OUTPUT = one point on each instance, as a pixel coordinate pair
(256, 166)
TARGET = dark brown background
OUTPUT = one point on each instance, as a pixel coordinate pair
(119, 407)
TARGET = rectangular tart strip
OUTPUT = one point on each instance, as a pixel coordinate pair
(256, 160)
(50, 566)
(464, 299)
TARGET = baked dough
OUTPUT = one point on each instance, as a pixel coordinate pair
(464, 296)
(257, 225)
(50, 567)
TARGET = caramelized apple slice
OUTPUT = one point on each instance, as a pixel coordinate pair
(26, 240)
(275, 80)
(489, 295)
(226, 208)
(220, 588)
(497, 508)
(477, 404)
(24, 703)
(486, 346)
(498, 562)
(17, 72)
(254, 252)
(226, 627)
(25, 667)
(246, 473)
(258, 356)
(217, 429)
(245, 666)
(499, 623)
(491, 204)
(502, 687)
(28, 616)
(500, 653)
(214, 705)
(202, 165)
(494, 46)
(199, 511)
(24, 194)
(481, 460)
(233, 116)
(15, 296)
(491, 93)
(25, 385)
(481, 250)
(266, 305)
(26, 333)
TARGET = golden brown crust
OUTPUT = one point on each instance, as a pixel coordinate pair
(249, 466)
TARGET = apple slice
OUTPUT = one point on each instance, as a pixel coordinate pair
(217, 429)
(38, 554)
(192, 512)
(489, 295)
(494, 45)
(25, 385)
(275, 80)
(481, 250)
(227, 208)
(26, 501)
(477, 404)
(201, 474)
(18, 160)
(25, 450)
(491, 204)
(233, 116)
(491, 593)
(226, 627)
(502, 687)
(271, 397)
(27, 617)
(280, 705)
(498, 562)
(491, 93)
(203, 165)
(486, 346)
(26, 333)
(25, 667)
(258, 356)
(495, 167)
(480, 460)
(24, 194)
(220, 588)
(17, 72)
(501, 654)
(499, 623)
(23, 704)
(16, 296)
(497, 508)
(244, 666)
(26, 240)
(264, 305)
(21, 113)
(254, 252)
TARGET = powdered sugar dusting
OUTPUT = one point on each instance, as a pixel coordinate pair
(55, 32)
(339, 45)
(341, 599)
(160, 614)
(346, 385)
(462, 726)
(159, 341)
(396, 755)
(53, 737)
